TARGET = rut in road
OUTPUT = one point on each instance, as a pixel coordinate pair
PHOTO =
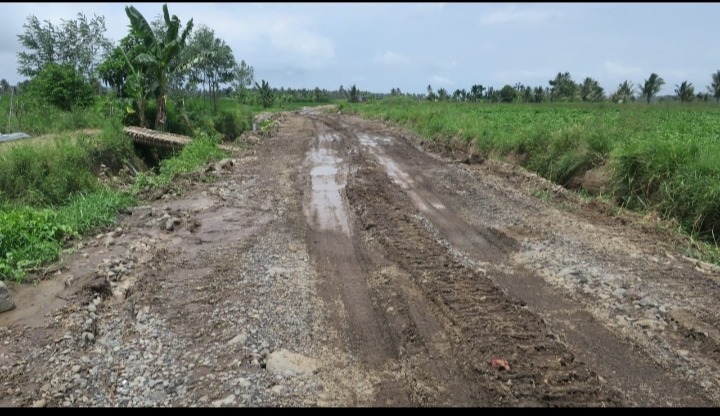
(410, 303)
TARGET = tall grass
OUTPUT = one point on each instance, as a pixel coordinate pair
(663, 157)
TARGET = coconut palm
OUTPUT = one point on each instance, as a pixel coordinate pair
(158, 59)
(685, 91)
(652, 86)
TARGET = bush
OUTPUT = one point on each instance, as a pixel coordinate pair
(232, 124)
(61, 86)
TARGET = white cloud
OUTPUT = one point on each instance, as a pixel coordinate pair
(512, 14)
(436, 79)
(391, 59)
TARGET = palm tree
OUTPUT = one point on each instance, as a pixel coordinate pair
(160, 53)
(652, 86)
(267, 98)
(625, 92)
(714, 88)
(685, 91)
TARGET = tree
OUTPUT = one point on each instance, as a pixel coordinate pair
(651, 86)
(431, 96)
(213, 62)
(508, 94)
(354, 94)
(158, 59)
(624, 93)
(243, 77)
(476, 92)
(61, 86)
(267, 98)
(4, 86)
(538, 95)
(80, 43)
(563, 88)
(685, 92)
(590, 90)
(714, 87)
(442, 95)
(115, 70)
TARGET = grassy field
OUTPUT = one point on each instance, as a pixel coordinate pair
(663, 157)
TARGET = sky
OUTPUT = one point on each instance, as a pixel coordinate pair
(380, 46)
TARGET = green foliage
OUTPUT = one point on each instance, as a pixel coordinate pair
(266, 95)
(61, 86)
(231, 124)
(685, 92)
(651, 86)
(563, 88)
(200, 151)
(76, 42)
(661, 158)
(31, 237)
(714, 87)
(508, 94)
(159, 57)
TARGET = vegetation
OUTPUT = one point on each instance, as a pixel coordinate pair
(661, 157)
(166, 76)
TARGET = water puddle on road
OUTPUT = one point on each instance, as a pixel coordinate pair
(33, 301)
(328, 177)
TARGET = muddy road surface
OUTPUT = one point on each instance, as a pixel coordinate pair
(345, 262)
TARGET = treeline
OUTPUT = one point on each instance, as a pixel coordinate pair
(563, 89)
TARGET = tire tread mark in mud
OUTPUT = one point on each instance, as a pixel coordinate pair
(543, 372)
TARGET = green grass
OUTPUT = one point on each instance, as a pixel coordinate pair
(32, 237)
(199, 151)
(663, 157)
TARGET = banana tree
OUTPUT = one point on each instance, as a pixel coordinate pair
(158, 59)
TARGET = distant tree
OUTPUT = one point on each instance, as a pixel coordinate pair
(4, 86)
(651, 86)
(265, 93)
(685, 92)
(563, 88)
(213, 62)
(527, 94)
(590, 90)
(703, 96)
(476, 92)
(508, 94)
(354, 94)
(538, 95)
(431, 96)
(624, 93)
(243, 77)
(714, 87)
(443, 95)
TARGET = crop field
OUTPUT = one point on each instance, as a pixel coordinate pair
(664, 157)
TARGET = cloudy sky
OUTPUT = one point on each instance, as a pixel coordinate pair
(379, 46)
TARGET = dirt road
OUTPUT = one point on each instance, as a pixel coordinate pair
(344, 262)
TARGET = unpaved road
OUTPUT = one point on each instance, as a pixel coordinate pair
(339, 262)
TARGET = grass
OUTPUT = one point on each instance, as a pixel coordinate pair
(199, 151)
(49, 189)
(662, 157)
